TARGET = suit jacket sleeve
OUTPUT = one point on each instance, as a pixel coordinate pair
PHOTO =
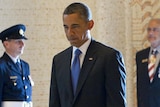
(54, 100)
(116, 81)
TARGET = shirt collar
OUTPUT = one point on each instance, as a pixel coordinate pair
(84, 47)
(158, 49)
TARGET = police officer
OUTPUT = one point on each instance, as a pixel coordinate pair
(15, 80)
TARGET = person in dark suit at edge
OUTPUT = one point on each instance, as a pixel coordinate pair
(148, 68)
(15, 79)
(102, 76)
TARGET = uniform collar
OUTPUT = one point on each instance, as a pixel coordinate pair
(13, 58)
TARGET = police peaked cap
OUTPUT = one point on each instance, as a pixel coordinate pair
(13, 32)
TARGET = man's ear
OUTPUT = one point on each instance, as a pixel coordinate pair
(5, 43)
(90, 24)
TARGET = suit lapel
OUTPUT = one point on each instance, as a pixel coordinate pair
(144, 56)
(67, 68)
(88, 62)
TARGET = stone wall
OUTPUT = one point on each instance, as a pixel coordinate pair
(118, 23)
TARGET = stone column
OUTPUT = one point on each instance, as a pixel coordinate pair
(113, 27)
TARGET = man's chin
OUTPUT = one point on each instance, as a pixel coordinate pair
(154, 45)
(73, 44)
(21, 52)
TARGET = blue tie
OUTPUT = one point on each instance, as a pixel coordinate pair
(75, 70)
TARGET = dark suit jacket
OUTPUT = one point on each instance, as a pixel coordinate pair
(148, 94)
(101, 81)
(13, 81)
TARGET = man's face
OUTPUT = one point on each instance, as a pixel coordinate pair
(14, 47)
(154, 33)
(76, 29)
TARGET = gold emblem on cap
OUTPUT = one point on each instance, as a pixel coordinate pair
(21, 32)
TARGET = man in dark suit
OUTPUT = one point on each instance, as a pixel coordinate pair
(15, 80)
(148, 68)
(102, 78)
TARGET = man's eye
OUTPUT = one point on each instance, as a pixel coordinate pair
(152, 29)
(65, 27)
(75, 26)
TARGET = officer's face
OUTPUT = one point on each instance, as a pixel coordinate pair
(76, 29)
(14, 47)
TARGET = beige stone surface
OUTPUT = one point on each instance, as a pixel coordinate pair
(118, 23)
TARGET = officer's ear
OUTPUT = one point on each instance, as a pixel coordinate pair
(5, 43)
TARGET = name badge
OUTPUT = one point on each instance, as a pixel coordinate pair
(14, 80)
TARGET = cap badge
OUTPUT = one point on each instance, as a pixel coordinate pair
(6, 38)
(21, 32)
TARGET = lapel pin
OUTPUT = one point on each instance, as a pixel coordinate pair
(90, 59)
(144, 60)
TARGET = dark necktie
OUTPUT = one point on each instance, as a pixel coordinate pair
(19, 65)
(151, 64)
(75, 69)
